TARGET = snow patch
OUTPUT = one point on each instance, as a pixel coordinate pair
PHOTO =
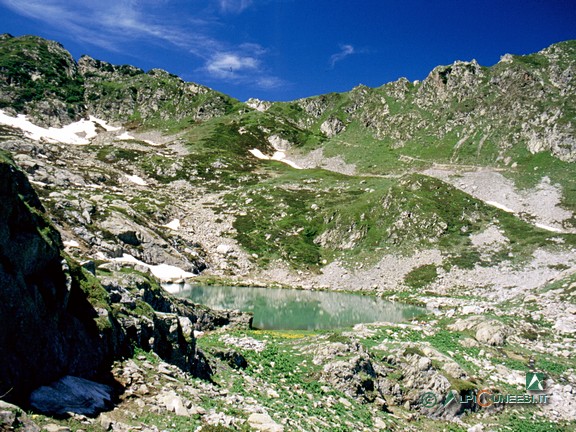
(164, 272)
(125, 136)
(104, 124)
(78, 133)
(548, 228)
(173, 225)
(540, 204)
(167, 272)
(137, 180)
(277, 156)
(500, 206)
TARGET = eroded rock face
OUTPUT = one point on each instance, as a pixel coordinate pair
(332, 126)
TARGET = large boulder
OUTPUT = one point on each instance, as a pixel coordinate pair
(72, 395)
(486, 330)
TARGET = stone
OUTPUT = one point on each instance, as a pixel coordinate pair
(469, 343)
(264, 423)
(379, 424)
(233, 358)
(51, 427)
(174, 403)
(223, 249)
(193, 410)
(424, 363)
(272, 394)
(471, 309)
(565, 325)
(489, 334)
(13, 418)
(453, 369)
(105, 421)
(142, 390)
(8, 416)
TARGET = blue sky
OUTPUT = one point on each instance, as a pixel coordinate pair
(287, 49)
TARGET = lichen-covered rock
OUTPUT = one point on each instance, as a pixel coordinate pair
(349, 368)
(487, 331)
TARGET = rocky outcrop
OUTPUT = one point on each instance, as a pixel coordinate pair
(133, 289)
(349, 368)
(57, 319)
(40, 78)
(465, 104)
(332, 126)
(129, 94)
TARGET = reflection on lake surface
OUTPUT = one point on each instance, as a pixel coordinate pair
(286, 309)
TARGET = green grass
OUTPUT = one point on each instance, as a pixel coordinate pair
(421, 276)
(284, 367)
(527, 422)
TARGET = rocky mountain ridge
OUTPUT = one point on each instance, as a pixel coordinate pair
(531, 96)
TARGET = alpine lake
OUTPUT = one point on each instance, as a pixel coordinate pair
(291, 309)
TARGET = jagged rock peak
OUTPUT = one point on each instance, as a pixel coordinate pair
(92, 67)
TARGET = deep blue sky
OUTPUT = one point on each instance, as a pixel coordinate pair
(287, 49)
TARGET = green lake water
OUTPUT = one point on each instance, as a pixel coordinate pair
(288, 309)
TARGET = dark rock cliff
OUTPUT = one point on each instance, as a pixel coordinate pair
(48, 326)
